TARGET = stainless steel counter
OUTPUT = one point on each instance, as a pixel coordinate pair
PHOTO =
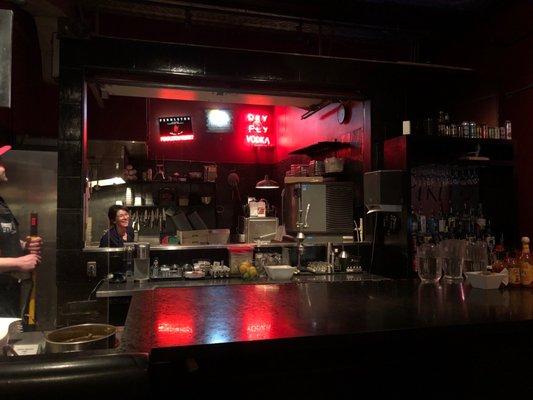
(129, 288)
(94, 249)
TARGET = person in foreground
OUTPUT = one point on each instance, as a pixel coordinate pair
(16, 256)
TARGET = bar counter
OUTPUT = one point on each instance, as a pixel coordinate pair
(127, 289)
(320, 338)
(166, 318)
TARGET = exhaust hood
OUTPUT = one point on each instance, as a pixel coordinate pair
(108, 159)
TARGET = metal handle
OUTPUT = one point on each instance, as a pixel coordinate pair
(307, 215)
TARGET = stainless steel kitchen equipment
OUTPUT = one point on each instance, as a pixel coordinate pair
(384, 190)
(258, 228)
(141, 262)
(6, 44)
(331, 207)
(33, 187)
(81, 337)
(129, 253)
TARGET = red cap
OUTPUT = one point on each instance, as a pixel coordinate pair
(4, 149)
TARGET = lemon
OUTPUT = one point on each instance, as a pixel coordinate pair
(244, 267)
(246, 275)
(252, 271)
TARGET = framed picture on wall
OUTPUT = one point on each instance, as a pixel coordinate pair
(173, 129)
(218, 120)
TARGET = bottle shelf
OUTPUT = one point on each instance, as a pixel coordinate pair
(405, 152)
(322, 148)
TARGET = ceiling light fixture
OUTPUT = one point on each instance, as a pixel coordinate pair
(267, 184)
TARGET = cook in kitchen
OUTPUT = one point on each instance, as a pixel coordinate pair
(16, 257)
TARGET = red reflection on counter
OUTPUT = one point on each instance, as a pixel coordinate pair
(257, 325)
(176, 330)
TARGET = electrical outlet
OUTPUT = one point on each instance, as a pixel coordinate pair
(91, 269)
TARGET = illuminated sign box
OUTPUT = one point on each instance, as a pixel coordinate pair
(175, 129)
(219, 121)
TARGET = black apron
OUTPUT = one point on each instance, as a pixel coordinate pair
(10, 301)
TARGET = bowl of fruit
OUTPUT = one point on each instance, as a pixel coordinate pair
(248, 271)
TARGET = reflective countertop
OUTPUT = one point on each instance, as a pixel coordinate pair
(126, 289)
(166, 318)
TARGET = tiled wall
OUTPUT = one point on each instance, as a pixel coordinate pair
(70, 273)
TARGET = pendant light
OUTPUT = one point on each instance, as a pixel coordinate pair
(267, 184)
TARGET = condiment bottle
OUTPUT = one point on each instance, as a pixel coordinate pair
(525, 264)
(499, 263)
(514, 271)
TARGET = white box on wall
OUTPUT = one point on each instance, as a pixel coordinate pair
(406, 127)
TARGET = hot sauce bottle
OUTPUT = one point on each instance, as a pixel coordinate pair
(514, 270)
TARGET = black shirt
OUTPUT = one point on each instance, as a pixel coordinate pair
(112, 239)
(9, 233)
(9, 247)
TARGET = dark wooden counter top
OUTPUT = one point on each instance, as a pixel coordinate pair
(324, 340)
(167, 318)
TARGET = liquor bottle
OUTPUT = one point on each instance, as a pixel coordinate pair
(525, 264)
(29, 315)
(422, 225)
(508, 133)
(442, 226)
(440, 124)
(489, 237)
(451, 223)
(481, 223)
(447, 128)
(498, 264)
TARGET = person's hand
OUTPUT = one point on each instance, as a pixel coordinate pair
(28, 262)
(34, 245)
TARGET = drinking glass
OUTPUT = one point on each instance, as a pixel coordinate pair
(468, 257)
(429, 270)
(451, 256)
(480, 256)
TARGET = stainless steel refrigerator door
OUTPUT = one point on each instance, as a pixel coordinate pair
(6, 29)
(32, 186)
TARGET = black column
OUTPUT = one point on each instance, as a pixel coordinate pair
(70, 186)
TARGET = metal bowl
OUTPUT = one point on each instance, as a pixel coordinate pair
(81, 337)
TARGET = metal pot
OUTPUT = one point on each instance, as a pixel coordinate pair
(81, 337)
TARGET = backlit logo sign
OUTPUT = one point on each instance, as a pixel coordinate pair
(219, 120)
(175, 129)
(258, 126)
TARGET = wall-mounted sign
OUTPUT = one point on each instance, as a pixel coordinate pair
(219, 121)
(258, 129)
(175, 129)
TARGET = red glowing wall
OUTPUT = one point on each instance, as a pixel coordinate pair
(128, 118)
(294, 133)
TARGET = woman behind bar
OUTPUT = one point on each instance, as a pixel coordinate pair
(120, 231)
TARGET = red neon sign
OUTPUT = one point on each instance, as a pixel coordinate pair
(176, 138)
(258, 126)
